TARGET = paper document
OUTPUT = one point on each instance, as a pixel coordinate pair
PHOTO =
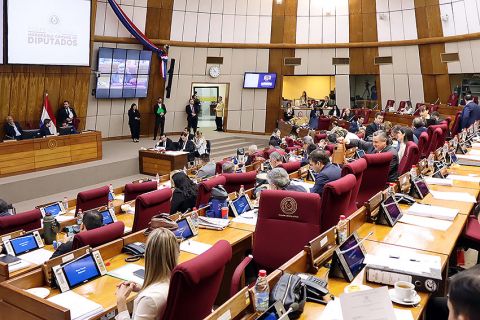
(38, 256)
(367, 305)
(463, 178)
(438, 181)
(175, 153)
(475, 145)
(428, 211)
(468, 157)
(401, 314)
(126, 273)
(80, 307)
(453, 196)
(474, 152)
(306, 185)
(63, 218)
(18, 265)
(247, 218)
(213, 223)
(194, 247)
(120, 197)
(430, 223)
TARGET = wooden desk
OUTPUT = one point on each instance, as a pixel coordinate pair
(152, 162)
(50, 152)
(463, 207)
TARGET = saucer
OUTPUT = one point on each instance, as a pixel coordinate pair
(39, 292)
(415, 300)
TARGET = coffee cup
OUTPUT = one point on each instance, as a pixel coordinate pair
(404, 290)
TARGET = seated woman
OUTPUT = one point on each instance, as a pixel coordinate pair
(335, 111)
(275, 139)
(161, 257)
(347, 114)
(200, 144)
(402, 135)
(288, 114)
(185, 194)
(48, 128)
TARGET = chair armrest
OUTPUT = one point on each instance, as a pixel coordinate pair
(237, 275)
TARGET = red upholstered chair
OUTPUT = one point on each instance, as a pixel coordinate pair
(433, 107)
(26, 221)
(291, 146)
(375, 176)
(271, 150)
(417, 108)
(367, 113)
(324, 123)
(334, 200)
(218, 166)
(357, 168)
(440, 139)
(390, 103)
(319, 136)
(93, 198)
(194, 284)
(149, 204)
(401, 106)
(133, 190)
(281, 213)
(205, 188)
(291, 166)
(330, 147)
(432, 143)
(456, 124)
(233, 181)
(409, 158)
(97, 237)
(423, 144)
(453, 100)
(472, 231)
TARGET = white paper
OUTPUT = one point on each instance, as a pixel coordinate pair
(247, 220)
(126, 273)
(436, 212)
(374, 304)
(79, 306)
(438, 181)
(175, 153)
(402, 314)
(18, 265)
(473, 152)
(426, 222)
(468, 157)
(120, 197)
(38, 256)
(475, 145)
(194, 247)
(63, 218)
(453, 196)
(333, 311)
(306, 185)
(468, 178)
(127, 230)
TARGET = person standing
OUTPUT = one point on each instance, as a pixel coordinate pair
(134, 122)
(66, 114)
(470, 113)
(219, 108)
(159, 109)
(192, 115)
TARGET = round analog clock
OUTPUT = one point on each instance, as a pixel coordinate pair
(214, 72)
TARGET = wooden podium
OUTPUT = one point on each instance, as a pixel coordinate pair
(162, 162)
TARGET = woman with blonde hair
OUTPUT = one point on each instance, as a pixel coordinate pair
(161, 257)
(200, 144)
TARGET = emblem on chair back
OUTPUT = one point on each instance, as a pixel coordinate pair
(288, 206)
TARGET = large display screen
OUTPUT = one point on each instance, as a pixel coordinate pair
(81, 271)
(50, 32)
(123, 73)
(254, 80)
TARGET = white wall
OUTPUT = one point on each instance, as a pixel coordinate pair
(460, 17)
(107, 23)
(468, 54)
(396, 20)
(246, 107)
(226, 21)
(322, 21)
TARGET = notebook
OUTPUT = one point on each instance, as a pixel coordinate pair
(38, 256)
(80, 307)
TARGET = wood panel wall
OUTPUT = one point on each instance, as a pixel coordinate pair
(158, 24)
(284, 26)
(436, 82)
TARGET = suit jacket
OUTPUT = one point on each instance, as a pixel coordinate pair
(275, 141)
(207, 170)
(10, 131)
(155, 109)
(189, 147)
(62, 249)
(370, 129)
(368, 148)
(62, 115)
(354, 127)
(132, 114)
(470, 113)
(418, 131)
(168, 145)
(188, 110)
(330, 172)
(45, 131)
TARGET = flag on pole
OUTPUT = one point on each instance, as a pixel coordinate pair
(47, 113)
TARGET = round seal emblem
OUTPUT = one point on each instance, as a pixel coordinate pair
(430, 285)
(52, 144)
(288, 205)
(54, 19)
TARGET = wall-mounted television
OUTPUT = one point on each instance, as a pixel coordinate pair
(123, 73)
(258, 80)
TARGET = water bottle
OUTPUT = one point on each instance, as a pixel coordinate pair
(342, 231)
(413, 172)
(445, 149)
(79, 217)
(194, 217)
(391, 189)
(241, 192)
(157, 178)
(431, 160)
(65, 203)
(262, 292)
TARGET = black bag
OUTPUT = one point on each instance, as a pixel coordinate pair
(290, 289)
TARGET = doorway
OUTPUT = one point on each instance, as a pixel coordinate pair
(208, 94)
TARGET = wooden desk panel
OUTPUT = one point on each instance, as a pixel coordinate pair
(50, 152)
(463, 207)
(152, 162)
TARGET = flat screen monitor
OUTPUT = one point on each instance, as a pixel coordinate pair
(360, 153)
(184, 230)
(81, 271)
(254, 80)
(107, 217)
(23, 245)
(53, 209)
(391, 210)
(421, 187)
(241, 205)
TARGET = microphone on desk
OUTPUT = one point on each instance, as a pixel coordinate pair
(293, 307)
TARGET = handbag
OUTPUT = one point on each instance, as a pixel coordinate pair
(161, 220)
(290, 289)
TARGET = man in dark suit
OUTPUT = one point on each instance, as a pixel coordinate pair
(470, 113)
(379, 144)
(192, 111)
(186, 145)
(325, 171)
(355, 125)
(165, 143)
(374, 126)
(159, 110)
(12, 128)
(418, 127)
(66, 114)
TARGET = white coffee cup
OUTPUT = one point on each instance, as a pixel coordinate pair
(404, 290)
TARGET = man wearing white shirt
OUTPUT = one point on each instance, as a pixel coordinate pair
(66, 114)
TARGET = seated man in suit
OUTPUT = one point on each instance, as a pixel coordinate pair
(434, 119)
(228, 167)
(325, 171)
(165, 143)
(12, 129)
(278, 179)
(208, 168)
(355, 125)
(374, 126)
(380, 144)
(418, 127)
(91, 220)
(275, 159)
(5, 208)
(187, 145)
(47, 128)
